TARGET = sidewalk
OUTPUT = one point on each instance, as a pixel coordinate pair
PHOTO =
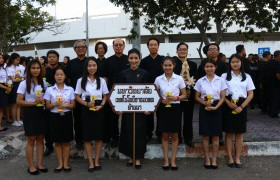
(262, 138)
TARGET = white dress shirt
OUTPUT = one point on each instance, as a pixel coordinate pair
(13, 70)
(205, 87)
(30, 97)
(67, 94)
(91, 89)
(174, 85)
(3, 75)
(236, 87)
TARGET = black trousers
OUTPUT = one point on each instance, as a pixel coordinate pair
(264, 96)
(48, 141)
(186, 109)
(111, 124)
(149, 124)
(77, 123)
(274, 99)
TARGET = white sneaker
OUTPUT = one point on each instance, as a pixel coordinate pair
(15, 123)
(20, 122)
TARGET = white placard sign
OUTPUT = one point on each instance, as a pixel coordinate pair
(134, 97)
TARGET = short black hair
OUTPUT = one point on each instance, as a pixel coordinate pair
(152, 38)
(266, 54)
(53, 52)
(134, 50)
(122, 41)
(209, 60)
(276, 53)
(181, 43)
(103, 44)
(214, 44)
(239, 48)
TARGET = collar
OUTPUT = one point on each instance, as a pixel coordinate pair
(214, 79)
(90, 80)
(64, 88)
(233, 75)
(172, 77)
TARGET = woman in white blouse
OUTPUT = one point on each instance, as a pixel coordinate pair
(210, 93)
(238, 95)
(172, 90)
(30, 97)
(16, 74)
(60, 100)
(91, 92)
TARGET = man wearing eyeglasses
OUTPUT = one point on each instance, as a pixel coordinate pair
(187, 69)
(111, 69)
(212, 52)
(75, 69)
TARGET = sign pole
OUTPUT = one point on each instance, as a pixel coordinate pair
(134, 160)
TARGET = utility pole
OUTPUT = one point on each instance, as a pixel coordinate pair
(136, 41)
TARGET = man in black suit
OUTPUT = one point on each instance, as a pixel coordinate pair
(187, 105)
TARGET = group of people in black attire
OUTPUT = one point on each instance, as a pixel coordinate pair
(175, 78)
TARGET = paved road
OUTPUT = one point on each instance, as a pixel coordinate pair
(255, 168)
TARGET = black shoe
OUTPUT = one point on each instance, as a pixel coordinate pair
(129, 164)
(43, 170)
(174, 168)
(221, 142)
(165, 168)
(115, 142)
(91, 169)
(238, 165)
(231, 165)
(79, 146)
(69, 169)
(57, 170)
(214, 166)
(139, 166)
(47, 152)
(34, 172)
(189, 143)
(208, 166)
(97, 168)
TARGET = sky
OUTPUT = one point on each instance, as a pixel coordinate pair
(76, 8)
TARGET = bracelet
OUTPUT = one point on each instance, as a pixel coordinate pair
(177, 99)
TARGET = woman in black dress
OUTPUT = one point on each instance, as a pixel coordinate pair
(4, 98)
(172, 90)
(239, 93)
(210, 93)
(133, 75)
(29, 96)
(60, 100)
(91, 92)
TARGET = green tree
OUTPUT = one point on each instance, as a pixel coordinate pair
(19, 18)
(164, 15)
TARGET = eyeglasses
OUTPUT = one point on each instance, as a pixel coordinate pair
(80, 47)
(182, 50)
(118, 45)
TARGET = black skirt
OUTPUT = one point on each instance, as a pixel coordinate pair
(92, 124)
(234, 123)
(61, 127)
(4, 98)
(13, 94)
(34, 121)
(169, 119)
(126, 137)
(210, 122)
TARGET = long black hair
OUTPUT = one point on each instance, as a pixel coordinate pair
(241, 68)
(12, 59)
(85, 74)
(29, 76)
(2, 65)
